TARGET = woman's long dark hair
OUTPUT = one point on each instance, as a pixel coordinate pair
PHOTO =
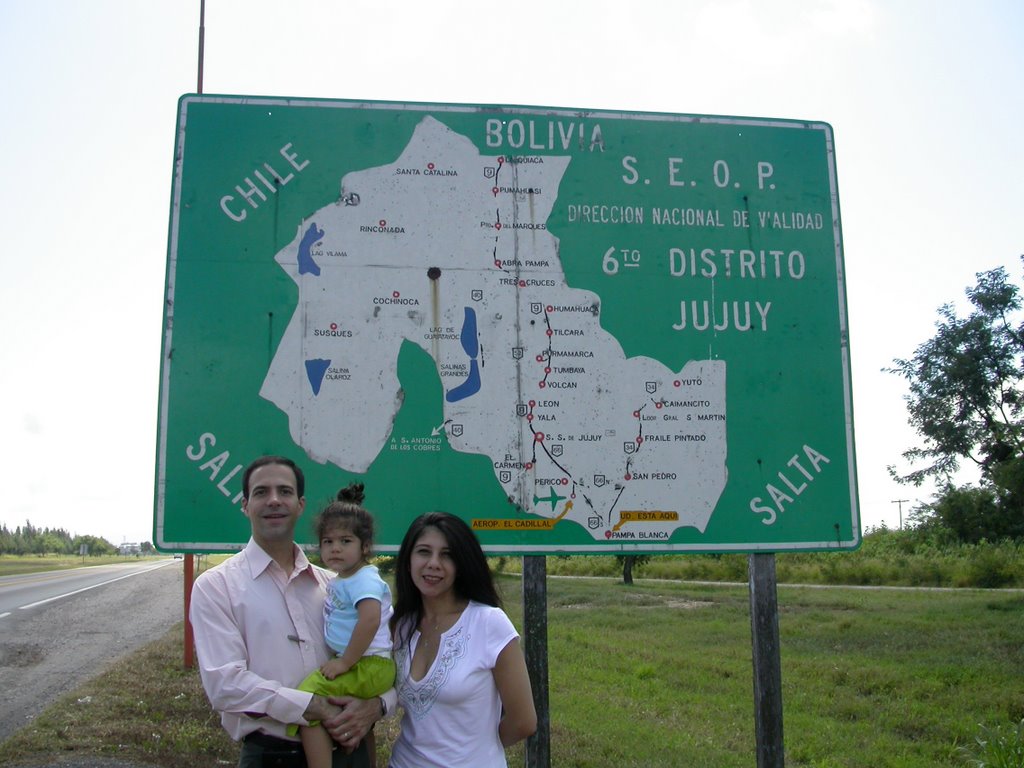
(473, 579)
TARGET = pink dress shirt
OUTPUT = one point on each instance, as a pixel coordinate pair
(258, 633)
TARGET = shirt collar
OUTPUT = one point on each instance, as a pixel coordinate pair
(259, 560)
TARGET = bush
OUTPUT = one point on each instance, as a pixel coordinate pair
(987, 566)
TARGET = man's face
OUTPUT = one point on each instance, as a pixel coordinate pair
(273, 506)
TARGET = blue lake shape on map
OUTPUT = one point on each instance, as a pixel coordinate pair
(307, 264)
(471, 344)
(315, 371)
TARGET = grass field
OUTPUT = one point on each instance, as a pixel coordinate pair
(659, 674)
(11, 565)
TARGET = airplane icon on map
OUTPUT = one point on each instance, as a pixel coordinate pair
(553, 498)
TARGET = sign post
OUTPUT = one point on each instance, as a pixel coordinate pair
(764, 632)
(535, 641)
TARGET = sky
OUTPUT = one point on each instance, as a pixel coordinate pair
(926, 98)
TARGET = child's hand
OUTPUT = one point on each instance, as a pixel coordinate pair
(337, 666)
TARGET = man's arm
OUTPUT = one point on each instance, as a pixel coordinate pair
(357, 717)
(223, 662)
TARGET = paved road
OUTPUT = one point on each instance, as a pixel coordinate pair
(57, 633)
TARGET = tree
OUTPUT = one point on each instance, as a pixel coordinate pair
(975, 514)
(966, 389)
(966, 398)
(628, 563)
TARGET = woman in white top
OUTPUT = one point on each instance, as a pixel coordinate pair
(462, 678)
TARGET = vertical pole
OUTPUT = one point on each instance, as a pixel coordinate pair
(202, 43)
(190, 571)
(764, 629)
(189, 643)
(535, 631)
(901, 503)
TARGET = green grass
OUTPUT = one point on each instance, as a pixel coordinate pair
(659, 674)
(999, 747)
(11, 565)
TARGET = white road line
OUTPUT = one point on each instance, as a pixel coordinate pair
(86, 589)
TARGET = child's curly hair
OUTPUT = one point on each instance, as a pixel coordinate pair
(347, 512)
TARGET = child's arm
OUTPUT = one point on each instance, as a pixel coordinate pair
(366, 627)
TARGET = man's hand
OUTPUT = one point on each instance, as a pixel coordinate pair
(353, 722)
(336, 666)
(320, 709)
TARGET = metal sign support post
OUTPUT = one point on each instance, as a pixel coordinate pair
(189, 640)
(764, 630)
(535, 632)
(189, 579)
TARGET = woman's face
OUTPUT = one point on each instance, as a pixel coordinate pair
(431, 565)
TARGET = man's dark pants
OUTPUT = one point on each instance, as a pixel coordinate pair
(262, 751)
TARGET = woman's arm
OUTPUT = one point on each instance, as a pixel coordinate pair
(519, 719)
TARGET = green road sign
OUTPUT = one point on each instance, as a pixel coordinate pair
(581, 331)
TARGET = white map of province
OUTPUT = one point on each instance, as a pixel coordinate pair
(448, 249)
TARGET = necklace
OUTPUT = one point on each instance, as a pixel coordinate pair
(431, 635)
(428, 634)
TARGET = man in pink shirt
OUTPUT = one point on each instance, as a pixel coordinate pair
(258, 625)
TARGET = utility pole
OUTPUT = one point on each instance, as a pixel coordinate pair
(901, 502)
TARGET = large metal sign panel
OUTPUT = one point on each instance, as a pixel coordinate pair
(582, 331)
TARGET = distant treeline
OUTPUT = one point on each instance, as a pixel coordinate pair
(27, 539)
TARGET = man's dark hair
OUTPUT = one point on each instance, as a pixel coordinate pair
(262, 461)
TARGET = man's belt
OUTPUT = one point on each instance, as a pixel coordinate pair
(272, 742)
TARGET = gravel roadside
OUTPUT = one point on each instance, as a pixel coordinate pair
(56, 647)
